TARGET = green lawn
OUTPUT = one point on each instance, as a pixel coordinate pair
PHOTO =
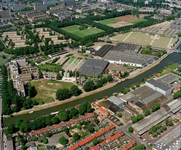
(50, 67)
(46, 89)
(134, 22)
(81, 33)
(169, 68)
(109, 21)
(1, 59)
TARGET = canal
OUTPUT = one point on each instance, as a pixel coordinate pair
(174, 57)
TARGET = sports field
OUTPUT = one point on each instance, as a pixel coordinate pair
(145, 39)
(109, 21)
(81, 33)
(134, 22)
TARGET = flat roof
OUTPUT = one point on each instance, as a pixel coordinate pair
(87, 67)
(104, 50)
(114, 108)
(175, 105)
(115, 100)
(169, 78)
(153, 119)
(158, 84)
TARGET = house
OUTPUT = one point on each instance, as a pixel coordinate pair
(159, 86)
(100, 118)
(103, 111)
(128, 146)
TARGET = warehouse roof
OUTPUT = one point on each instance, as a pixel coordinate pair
(128, 56)
(175, 105)
(149, 121)
(104, 50)
(158, 84)
(87, 67)
(115, 100)
(169, 78)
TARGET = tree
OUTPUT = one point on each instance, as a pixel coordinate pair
(134, 119)
(11, 128)
(55, 120)
(87, 148)
(89, 86)
(139, 117)
(59, 77)
(119, 115)
(19, 121)
(40, 74)
(63, 140)
(76, 136)
(137, 85)
(62, 94)
(48, 120)
(130, 129)
(24, 127)
(96, 120)
(45, 141)
(171, 123)
(90, 129)
(48, 134)
(147, 112)
(32, 64)
(179, 34)
(75, 90)
(95, 142)
(32, 91)
(109, 78)
(63, 116)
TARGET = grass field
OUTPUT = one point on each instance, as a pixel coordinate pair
(46, 89)
(50, 67)
(81, 33)
(1, 59)
(135, 22)
(161, 42)
(169, 68)
(109, 21)
(120, 37)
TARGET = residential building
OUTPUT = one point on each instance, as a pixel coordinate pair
(88, 1)
(176, 24)
(128, 146)
(47, 2)
(159, 86)
(5, 16)
(36, 16)
(167, 11)
(18, 7)
(68, 3)
(40, 7)
(104, 112)
(147, 9)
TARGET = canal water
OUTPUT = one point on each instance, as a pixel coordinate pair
(174, 57)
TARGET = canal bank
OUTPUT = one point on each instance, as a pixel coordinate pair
(175, 57)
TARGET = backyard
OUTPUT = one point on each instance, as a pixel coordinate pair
(1, 59)
(81, 33)
(46, 89)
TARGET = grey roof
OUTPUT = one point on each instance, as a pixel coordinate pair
(146, 123)
(128, 56)
(175, 105)
(104, 50)
(115, 100)
(169, 78)
(87, 67)
(159, 84)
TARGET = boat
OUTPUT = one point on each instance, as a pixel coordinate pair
(53, 113)
(31, 112)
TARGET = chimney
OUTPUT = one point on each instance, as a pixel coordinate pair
(93, 73)
(79, 79)
(76, 76)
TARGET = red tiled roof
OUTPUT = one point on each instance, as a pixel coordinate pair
(91, 138)
(103, 111)
(62, 124)
(128, 146)
(99, 118)
(108, 140)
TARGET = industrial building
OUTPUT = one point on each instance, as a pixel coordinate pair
(176, 24)
(116, 101)
(57, 53)
(169, 78)
(142, 98)
(128, 57)
(93, 64)
(159, 86)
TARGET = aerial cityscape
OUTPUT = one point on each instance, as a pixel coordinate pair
(90, 75)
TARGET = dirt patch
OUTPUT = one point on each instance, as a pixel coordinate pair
(50, 83)
(127, 18)
(103, 104)
(120, 24)
(141, 16)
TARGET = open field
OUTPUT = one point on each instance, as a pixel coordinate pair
(137, 21)
(109, 21)
(145, 39)
(81, 33)
(120, 24)
(46, 89)
(50, 67)
(1, 59)
(169, 68)
(128, 18)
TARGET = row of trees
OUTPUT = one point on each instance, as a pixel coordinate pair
(65, 93)
(38, 123)
(137, 118)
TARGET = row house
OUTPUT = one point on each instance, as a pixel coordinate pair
(91, 138)
(61, 126)
(107, 141)
(128, 146)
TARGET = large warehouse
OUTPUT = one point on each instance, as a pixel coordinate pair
(159, 86)
(98, 65)
(128, 57)
(169, 78)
